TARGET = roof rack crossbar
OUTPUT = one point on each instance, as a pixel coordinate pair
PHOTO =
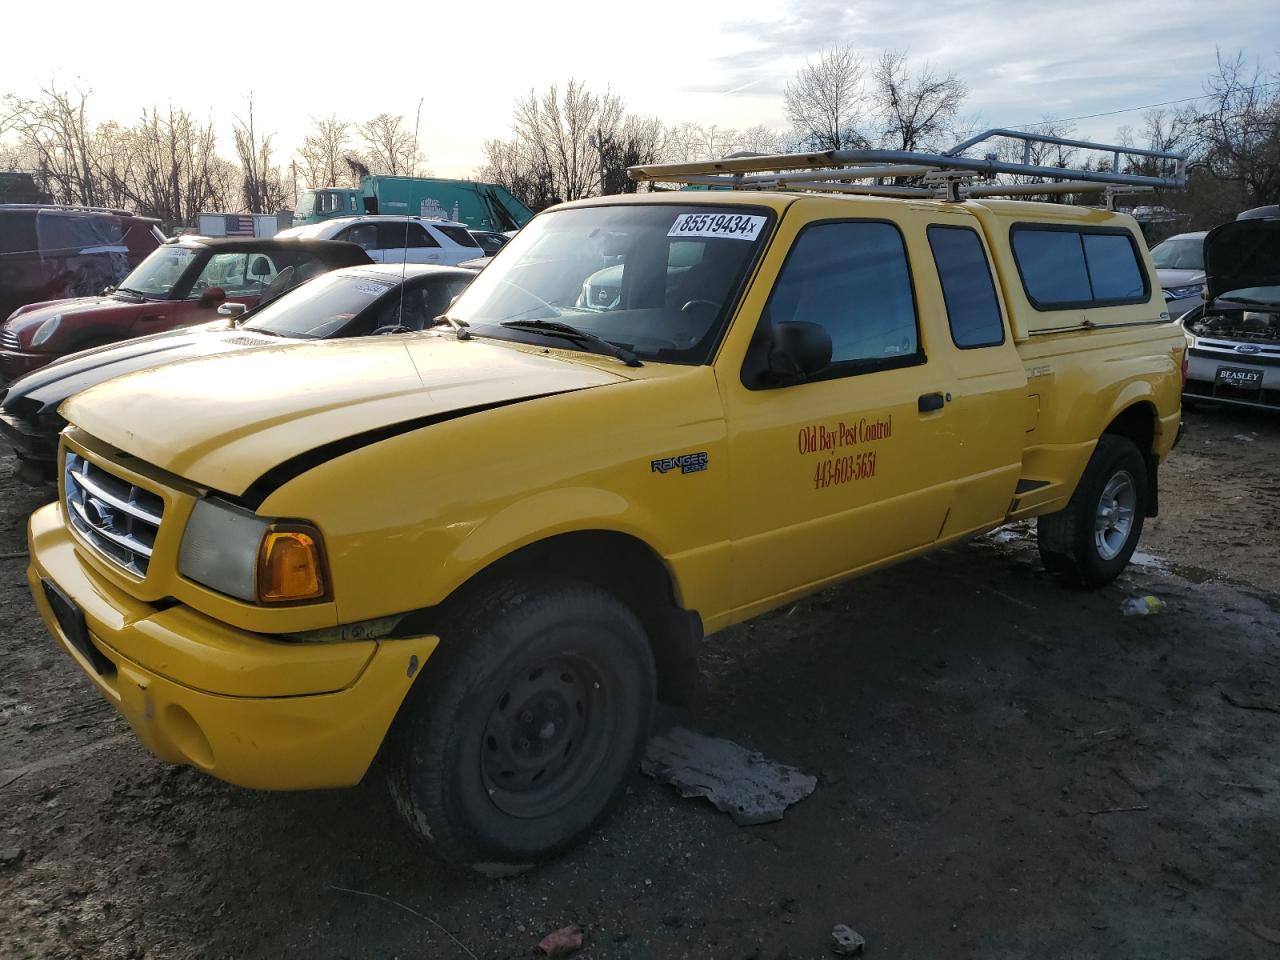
(825, 169)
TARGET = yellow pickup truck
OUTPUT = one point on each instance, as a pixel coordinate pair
(478, 554)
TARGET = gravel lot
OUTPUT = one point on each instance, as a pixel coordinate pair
(1007, 768)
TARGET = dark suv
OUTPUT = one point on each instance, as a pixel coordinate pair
(49, 252)
(182, 282)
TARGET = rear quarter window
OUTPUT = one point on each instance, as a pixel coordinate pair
(458, 235)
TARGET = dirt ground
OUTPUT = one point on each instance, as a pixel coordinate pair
(1007, 768)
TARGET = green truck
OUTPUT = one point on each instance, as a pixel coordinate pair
(481, 206)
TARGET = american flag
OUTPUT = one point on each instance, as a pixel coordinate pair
(239, 225)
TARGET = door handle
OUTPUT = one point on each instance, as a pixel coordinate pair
(151, 317)
(929, 402)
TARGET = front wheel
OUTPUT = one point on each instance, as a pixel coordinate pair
(519, 735)
(1092, 540)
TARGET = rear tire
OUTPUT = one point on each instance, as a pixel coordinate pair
(1091, 540)
(521, 731)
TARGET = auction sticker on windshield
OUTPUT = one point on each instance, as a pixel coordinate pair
(735, 226)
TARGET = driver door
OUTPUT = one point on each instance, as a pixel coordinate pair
(849, 467)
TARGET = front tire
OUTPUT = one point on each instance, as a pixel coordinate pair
(521, 732)
(1091, 541)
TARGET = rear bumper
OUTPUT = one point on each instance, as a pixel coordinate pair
(193, 701)
(16, 363)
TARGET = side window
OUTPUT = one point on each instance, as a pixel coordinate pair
(1066, 268)
(396, 236)
(1113, 267)
(973, 311)
(1051, 263)
(852, 278)
(362, 234)
(226, 270)
(18, 232)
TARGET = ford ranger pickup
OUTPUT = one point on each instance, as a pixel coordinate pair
(478, 554)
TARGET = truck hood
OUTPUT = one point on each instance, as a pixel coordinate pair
(224, 421)
(1240, 254)
(41, 392)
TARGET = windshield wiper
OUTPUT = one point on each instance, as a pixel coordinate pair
(130, 293)
(554, 328)
(459, 326)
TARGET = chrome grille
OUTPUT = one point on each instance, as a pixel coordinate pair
(9, 339)
(116, 518)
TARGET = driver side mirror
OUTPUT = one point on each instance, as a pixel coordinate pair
(234, 310)
(211, 296)
(797, 350)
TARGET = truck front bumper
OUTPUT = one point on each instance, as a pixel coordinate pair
(261, 713)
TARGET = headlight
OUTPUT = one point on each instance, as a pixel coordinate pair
(1181, 293)
(238, 553)
(47, 330)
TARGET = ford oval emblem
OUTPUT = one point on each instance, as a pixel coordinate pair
(1248, 348)
(98, 514)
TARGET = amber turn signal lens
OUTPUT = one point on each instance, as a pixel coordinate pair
(290, 567)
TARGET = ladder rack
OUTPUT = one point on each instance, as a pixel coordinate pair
(947, 175)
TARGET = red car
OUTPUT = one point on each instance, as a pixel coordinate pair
(183, 282)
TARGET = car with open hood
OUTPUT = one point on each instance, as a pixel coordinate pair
(481, 552)
(348, 302)
(182, 282)
(1235, 334)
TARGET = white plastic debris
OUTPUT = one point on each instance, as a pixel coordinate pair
(1142, 606)
(738, 781)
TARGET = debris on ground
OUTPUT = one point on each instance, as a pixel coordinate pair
(738, 781)
(10, 855)
(846, 942)
(562, 942)
(1142, 606)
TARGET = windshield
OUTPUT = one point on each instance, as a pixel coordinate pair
(1174, 254)
(306, 205)
(156, 275)
(1264, 296)
(319, 308)
(658, 280)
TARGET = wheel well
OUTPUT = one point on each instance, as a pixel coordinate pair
(630, 570)
(1138, 424)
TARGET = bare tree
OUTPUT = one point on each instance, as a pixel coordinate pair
(261, 188)
(390, 147)
(1236, 136)
(563, 134)
(54, 128)
(824, 101)
(176, 169)
(322, 155)
(640, 140)
(511, 164)
(916, 110)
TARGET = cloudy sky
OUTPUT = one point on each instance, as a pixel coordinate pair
(723, 63)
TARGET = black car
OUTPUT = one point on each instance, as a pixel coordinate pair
(490, 242)
(351, 302)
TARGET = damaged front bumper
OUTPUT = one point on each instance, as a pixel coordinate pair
(257, 712)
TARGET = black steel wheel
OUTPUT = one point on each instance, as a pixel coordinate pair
(524, 725)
